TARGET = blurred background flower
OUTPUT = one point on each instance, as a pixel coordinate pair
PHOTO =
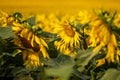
(63, 6)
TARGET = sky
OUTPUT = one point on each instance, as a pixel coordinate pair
(54, 5)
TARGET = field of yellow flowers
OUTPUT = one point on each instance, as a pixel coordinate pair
(85, 46)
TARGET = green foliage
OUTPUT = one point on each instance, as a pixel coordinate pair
(18, 16)
(31, 21)
(62, 69)
(111, 74)
(6, 32)
(83, 58)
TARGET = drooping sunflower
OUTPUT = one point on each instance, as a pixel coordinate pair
(100, 36)
(32, 43)
(70, 39)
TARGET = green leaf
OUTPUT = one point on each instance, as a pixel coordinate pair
(111, 74)
(23, 77)
(58, 70)
(31, 21)
(18, 70)
(6, 32)
(80, 75)
(5, 54)
(84, 58)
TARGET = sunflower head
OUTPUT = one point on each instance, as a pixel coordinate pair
(47, 23)
(70, 38)
(84, 17)
(68, 30)
(100, 32)
(102, 36)
(30, 40)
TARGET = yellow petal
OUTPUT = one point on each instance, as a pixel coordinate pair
(43, 42)
(100, 62)
(37, 40)
(23, 32)
(29, 35)
(25, 54)
(32, 40)
(113, 38)
(44, 52)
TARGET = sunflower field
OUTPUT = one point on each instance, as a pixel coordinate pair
(85, 46)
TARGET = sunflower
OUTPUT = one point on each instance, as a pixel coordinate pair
(30, 41)
(70, 39)
(5, 19)
(47, 23)
(101, 36)
(84, 17)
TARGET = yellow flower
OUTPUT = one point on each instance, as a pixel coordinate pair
(84, 17)
(31, 58)
(47, 23)
(101, 36)
(40, 18)
(100, 33)
(30, 40)
(31, 43)
(117, 21)
(70, 39)
(5, 19)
